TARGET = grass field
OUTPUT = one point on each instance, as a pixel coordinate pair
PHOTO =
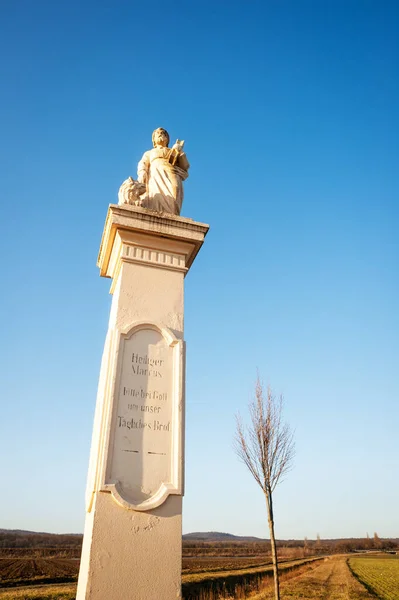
(380, 575)
(48, 592)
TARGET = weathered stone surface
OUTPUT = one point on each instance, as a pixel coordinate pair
(132, 539)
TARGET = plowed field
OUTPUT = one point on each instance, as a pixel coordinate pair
(223, 563)
(16, 571)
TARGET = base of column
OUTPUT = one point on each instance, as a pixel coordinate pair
(130, 555)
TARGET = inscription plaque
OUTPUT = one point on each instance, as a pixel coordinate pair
(144, 450)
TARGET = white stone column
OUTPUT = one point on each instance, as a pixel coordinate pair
(133, 530)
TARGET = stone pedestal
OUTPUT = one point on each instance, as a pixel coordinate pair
(132, 538)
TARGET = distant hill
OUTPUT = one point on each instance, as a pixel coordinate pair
(27, 532)
(217, 536)
(18, 538)
(21, 531)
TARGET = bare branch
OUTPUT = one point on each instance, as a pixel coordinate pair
(266, 446)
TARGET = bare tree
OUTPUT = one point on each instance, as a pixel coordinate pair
(267, 448)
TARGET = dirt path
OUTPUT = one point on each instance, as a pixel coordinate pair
(331, 580)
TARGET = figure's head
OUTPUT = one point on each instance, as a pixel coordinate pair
(160, 137)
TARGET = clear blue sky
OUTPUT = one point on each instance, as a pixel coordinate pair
(289, 110)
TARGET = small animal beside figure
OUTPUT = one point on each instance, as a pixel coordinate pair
(130, 192)
(161, 173)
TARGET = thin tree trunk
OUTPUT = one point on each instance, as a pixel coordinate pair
(269, 504)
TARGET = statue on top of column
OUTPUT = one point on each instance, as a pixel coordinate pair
(161, 173)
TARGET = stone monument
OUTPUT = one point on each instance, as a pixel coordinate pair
(133, 530)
